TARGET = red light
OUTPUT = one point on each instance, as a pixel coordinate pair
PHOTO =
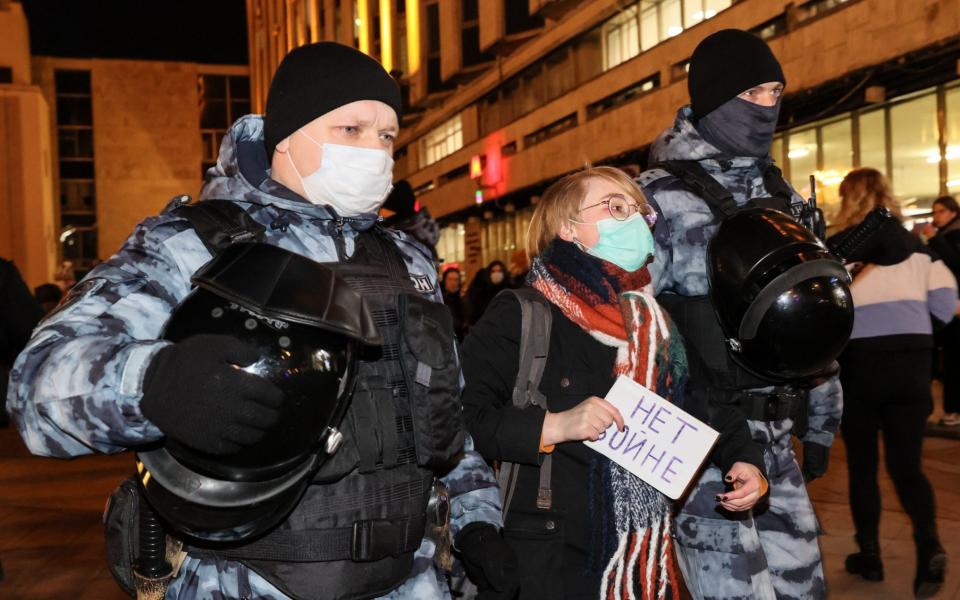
(416, 206)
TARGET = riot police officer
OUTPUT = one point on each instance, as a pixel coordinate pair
(716, 159)
(309, 178)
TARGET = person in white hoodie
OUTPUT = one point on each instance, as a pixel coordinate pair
(900, 293)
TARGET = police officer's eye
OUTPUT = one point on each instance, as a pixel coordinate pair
(350, 129)
(388, 137)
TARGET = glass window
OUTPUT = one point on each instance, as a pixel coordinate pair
(76, 169)
(649, 28)
(837, 150)
(671, 23)
(239, 87)
(76, 196)
(802, 154)
(916, 153)
(953, 140)
(692, 12)
(588, 54)
(621, 39)
(510, 101)
(776, 151)
(873, 141)
(470, 10)
(533, 88)
(450, 246)
(433, 28)
(75, 142)
(213, 114)
(442, 141)
(712, 7)
(213, 86)
(560, 76)
(72, 82)
(73, 110)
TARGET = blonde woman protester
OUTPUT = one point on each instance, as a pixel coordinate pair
(898, 288)
(606, 533)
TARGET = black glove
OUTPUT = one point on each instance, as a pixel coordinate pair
(490, 563)
(194, 392)
(815, 459)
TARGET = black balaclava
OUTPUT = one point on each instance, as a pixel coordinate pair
(740, 128)
(724, 65)
(316, 78)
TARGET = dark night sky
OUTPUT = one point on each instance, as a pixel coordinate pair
(206, 31)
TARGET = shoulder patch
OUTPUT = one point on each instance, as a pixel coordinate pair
(87, 286)
(422, 283)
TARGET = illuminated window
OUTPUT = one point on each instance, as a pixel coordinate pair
(671, 19)
(802, 154)
(915, 149)
(442, 141)
(836, 149)
(952, 130)
(621, 38)
(649, 28)
(899, 139)
(873, 140)
(660, 20)
(450, 246)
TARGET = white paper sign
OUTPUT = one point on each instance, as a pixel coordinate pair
(661, 443)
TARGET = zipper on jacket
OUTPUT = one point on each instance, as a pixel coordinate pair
(338, 242)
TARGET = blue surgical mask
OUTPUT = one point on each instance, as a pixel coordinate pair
(627, 244)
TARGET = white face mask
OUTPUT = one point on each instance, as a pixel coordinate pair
(354, 181)
(496, 278)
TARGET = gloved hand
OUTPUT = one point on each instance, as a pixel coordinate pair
(815, 459)
(195, 393)
(490, 563)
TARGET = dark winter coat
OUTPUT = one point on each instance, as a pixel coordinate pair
(552, 545)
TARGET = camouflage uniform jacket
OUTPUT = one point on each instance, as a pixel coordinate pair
(685, 224)
(76, 388)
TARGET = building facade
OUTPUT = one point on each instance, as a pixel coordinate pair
(505, 96)
(91, 146)
(27, 221)
(127, 136)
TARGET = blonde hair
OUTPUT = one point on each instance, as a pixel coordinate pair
(561, 203)
(861, 191)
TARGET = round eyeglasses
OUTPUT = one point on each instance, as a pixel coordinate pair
(619, 207)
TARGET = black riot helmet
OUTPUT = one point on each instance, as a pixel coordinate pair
(781, 297)
(307, 325)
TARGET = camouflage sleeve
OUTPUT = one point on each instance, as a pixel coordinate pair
(662, 254)
(76, 388)
(474, 495)
(824, 411)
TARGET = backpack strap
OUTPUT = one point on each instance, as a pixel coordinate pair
(220, 223)
(776, 185)
(692, 174)
(536, 322)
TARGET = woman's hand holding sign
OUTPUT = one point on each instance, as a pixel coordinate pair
(585, 421)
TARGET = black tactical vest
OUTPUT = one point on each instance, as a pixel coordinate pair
(354, 533)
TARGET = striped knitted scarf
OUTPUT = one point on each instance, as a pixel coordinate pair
(631, 541)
